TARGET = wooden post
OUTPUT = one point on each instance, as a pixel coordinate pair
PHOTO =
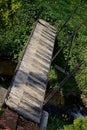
(62, 83)
(44, 120)
(61, 69)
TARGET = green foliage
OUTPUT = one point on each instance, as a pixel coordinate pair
(55, 124)
(53, 78)
(7, 10)
(14, 43)
(79, 124)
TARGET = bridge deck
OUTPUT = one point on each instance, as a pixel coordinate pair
(29, 83)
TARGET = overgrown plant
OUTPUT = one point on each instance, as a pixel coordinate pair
(79, 124)
(8, 9)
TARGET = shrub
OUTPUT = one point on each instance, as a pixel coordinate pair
(79, 124)
(7, 10)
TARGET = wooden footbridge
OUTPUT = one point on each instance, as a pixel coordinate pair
(27, 91)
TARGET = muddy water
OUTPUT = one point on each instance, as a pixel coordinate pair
(7, 67)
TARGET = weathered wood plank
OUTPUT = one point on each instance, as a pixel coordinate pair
(47, 25)
(29, 83)
(26, 113)
(28, 96)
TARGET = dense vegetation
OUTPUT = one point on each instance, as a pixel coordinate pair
(16, 22)
(7, 11)
(55, 124)
(78, 124)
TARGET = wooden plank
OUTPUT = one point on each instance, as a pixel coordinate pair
(45, 43)
(37, 88)
(30, 106)
(47, 25)
(26, 113)
(36, 59)
(31, 101)
(35, 53)
(45, 34)
(14, 98)
(46, 29)
(13, 104)
(43, 37)
(41, 69)
(29, 84)
(36, 80)
(61, 69)
(34, 86)
(41, 27)
(27, 96)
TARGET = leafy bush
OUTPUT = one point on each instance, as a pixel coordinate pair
(56, 124)
(79, 124)
(7, 10)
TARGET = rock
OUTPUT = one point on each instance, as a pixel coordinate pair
(8, 120)
(84, 100)
(3, 93)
